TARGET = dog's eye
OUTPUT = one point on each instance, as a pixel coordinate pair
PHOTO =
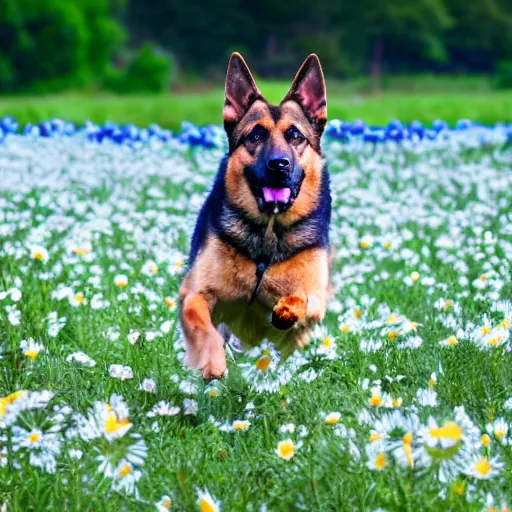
(293, 136)
(257, 134)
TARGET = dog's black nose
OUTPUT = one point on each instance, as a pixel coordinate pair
(279, 164)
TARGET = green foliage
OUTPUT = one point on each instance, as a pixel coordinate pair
(51, 44)
(504, 75)
(149, 71)
(476, 102)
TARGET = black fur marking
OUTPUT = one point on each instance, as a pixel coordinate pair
(220, 216)
(275, 112)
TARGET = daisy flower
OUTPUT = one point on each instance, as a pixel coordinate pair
(148, 385)
(241, 425)
(332, 418)
(39, 253)
(81, 358)
(483, 468)
(496, 338)
(119, 371)
(30, 348)
(499, 429)
(451, 341)
(121, 281)
(286, 449)
(164, 504)
(377, 460)
(379, 399)
(206, 503)
(163, 408)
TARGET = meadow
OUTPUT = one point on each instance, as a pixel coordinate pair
(403, 400)
(409, 98)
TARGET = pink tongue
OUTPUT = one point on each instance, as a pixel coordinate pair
(276, 194)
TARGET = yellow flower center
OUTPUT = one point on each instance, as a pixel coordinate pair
(79, 297)
(499, 433)
(34, 437)
(486, 330)
(415, 276)
(375, 400)
(431, 383)
(494, 342)
(452, 340)
(482, 466)
(327, 342)
(387, 246)
(397, 402)
(505, 324)
(240, 425)
(213, 393)
(485, 440)
(358, 313)
(458, 488)
(10, 399)
(448, 304)
(375, 436)
(263, 363)
(286, 449)
(80, 251)
(344, 328)
(38, 255)
(392, 335)
(380, 461)
(31, 353)
(166, 503)
(392, 319)
(332, 419)
(450, 430)
(154, 269)
(113, 424)
(364, 244)
(180, 264)
(125, 470)
(206, 506)
(169, 302)
(483, 277)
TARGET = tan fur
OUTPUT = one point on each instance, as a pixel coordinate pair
(220, 285)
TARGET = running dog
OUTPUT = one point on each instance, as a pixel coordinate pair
(259, 258)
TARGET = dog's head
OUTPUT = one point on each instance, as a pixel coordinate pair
(275, 162)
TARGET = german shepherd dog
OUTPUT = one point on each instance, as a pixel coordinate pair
(259, 262)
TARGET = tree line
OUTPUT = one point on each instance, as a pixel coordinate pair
(58, 44)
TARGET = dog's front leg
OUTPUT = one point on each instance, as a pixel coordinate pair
(205, 346)
(299, 287)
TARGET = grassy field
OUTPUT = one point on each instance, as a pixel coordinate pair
(402, 402)
(463, 99)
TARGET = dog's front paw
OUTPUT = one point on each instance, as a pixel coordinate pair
(288, 311)
(209, 358)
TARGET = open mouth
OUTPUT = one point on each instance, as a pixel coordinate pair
(274, 200)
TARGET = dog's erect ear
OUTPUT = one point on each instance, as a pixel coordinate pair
(241, 90)
(308, 90)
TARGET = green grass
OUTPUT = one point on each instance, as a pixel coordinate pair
(344, 102)
(410, 226)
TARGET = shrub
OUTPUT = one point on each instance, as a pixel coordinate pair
(503, 78)
(149, 71)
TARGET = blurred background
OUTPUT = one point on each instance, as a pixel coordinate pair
(164, 61)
